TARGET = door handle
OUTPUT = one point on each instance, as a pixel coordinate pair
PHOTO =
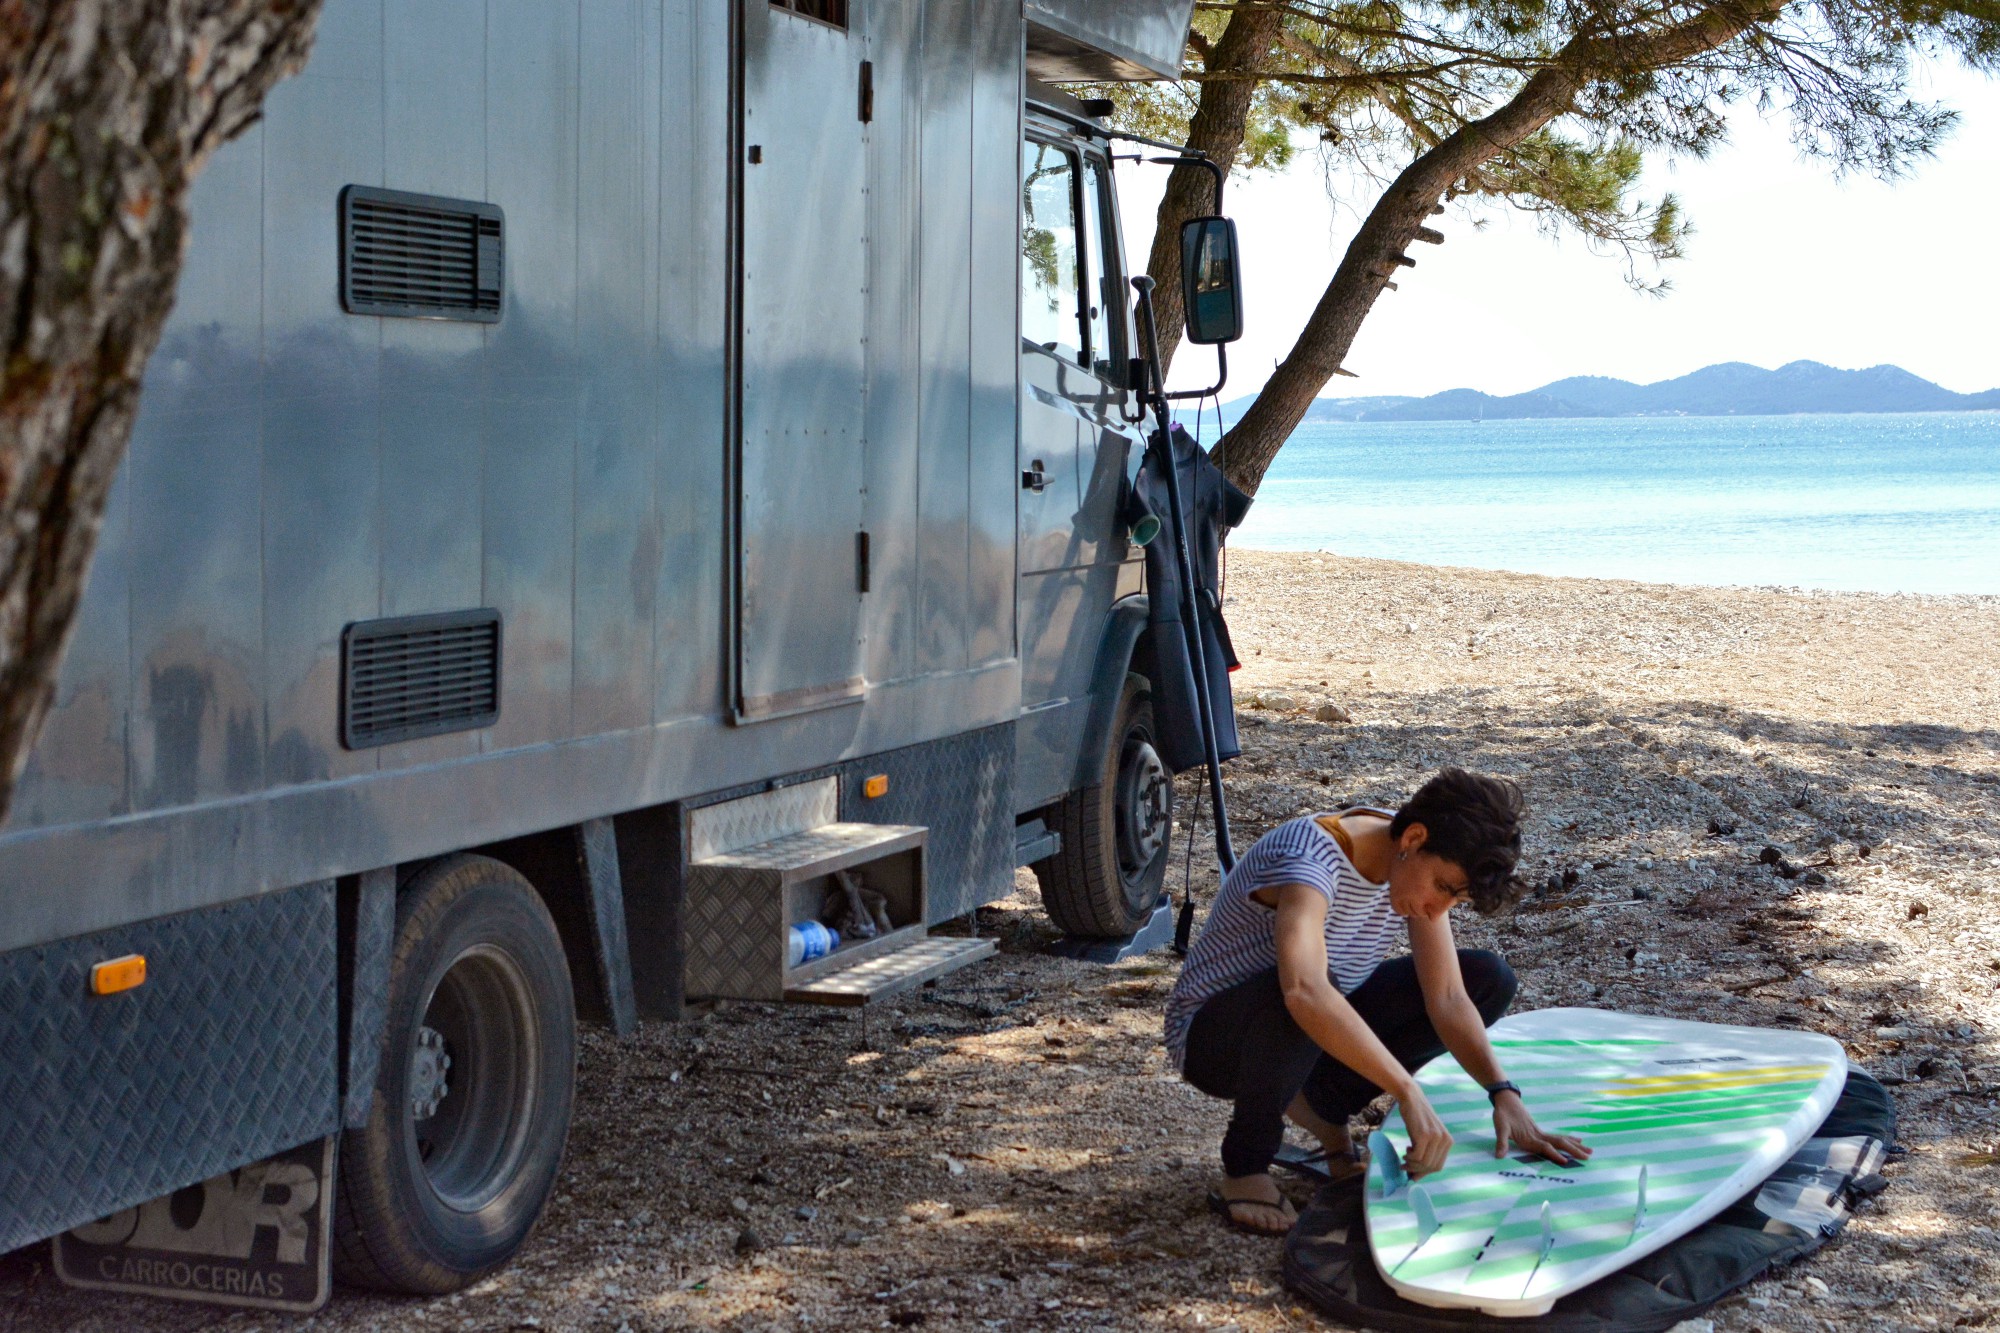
(1034, 479)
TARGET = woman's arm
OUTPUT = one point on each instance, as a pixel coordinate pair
(1326, 1016)
(1463, 1032)
(1449, 1008)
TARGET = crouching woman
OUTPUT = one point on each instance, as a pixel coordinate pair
(1287, 1008)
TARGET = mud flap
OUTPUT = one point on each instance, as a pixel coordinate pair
(258, 1236)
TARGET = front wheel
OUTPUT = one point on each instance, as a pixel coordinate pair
(475, 1086)
(1116, 833)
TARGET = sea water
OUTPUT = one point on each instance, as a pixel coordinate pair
(1906, 502)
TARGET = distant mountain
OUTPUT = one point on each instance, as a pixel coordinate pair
(1471, 405)
(1730, 389)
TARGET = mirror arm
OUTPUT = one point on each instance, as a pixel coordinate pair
(1181, 158)
(1221, 378)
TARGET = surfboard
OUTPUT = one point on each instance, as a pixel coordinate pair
(1684, 1119)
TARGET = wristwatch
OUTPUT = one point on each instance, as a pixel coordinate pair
(1494, 1090)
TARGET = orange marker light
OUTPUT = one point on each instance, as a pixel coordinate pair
(117, 974)
(876, 786)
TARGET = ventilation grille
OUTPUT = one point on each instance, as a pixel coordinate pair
(419, 676)
(419, 256)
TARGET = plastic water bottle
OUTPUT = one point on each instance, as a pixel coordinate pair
(809, 940)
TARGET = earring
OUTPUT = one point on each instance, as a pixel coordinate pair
(1402, 856)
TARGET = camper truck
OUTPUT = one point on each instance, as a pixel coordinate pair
(620, 475)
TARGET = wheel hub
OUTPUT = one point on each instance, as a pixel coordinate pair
(1145, 805)
(430, 1067)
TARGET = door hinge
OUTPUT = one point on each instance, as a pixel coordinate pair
(861, 562)
(865, 101)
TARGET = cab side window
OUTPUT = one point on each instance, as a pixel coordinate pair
(1103, 297)
(1053, 309)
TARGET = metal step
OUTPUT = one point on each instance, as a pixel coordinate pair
(741, 902)
(886, 973)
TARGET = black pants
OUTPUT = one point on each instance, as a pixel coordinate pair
(1245, 1046)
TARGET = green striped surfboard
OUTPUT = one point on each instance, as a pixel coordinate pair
(1685, 1118)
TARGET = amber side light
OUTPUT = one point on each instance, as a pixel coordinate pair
(876, 786)
(118, 974)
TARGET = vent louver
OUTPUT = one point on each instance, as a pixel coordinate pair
(420, 256)
(419, 676)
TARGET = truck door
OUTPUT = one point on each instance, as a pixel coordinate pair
(1073, 448)
(801, 553)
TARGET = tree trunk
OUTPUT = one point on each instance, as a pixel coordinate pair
(108, 109)
(1245, 452)
(1247, 45)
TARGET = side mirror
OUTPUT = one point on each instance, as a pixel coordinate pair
(1211, 283)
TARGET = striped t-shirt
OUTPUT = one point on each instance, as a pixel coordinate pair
(1239, 938)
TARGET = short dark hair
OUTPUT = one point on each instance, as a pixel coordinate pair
(1474, 822)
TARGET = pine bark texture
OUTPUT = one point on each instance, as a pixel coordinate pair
(108, 109)
(1398, 217)
(1247, 46)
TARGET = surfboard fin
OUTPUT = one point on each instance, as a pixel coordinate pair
(1548, 1243)
(1427, 1222)
(1427, 1218)
(1384, 1152)
(1639, 1206)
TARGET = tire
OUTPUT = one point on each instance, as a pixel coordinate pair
(1117, 835)
(449, 1175)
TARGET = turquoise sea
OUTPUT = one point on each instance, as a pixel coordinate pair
(1890, 503)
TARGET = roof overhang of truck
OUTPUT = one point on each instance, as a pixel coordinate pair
(1101, 41)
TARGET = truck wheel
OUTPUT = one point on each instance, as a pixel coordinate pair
(474, 1090)
(1115, 833)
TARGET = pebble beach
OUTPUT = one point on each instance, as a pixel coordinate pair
(1749, 805)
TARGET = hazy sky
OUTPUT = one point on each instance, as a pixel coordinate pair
(1785, 264)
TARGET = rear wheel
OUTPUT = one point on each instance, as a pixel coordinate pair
(1116, 833)
(475, 1086)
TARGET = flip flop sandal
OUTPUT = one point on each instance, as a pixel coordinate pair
(1223, 1208)
(1314, 1163)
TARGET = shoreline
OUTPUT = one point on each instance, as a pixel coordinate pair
(1235, 547)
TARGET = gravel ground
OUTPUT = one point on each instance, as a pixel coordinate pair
(1009, 1150)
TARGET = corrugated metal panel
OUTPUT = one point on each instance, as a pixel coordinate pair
(994, 352)
(894, 137)
(535, 382)
(621, 423)
(691, 308)
(320, 406)
(944, 321)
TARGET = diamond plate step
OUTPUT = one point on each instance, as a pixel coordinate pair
(887, 973)
(741, 902)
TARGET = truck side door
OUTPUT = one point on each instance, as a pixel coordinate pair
(1072, 452)
(801, 379)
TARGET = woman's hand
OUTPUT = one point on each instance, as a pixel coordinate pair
(1430, 1141)
(1513, 1124)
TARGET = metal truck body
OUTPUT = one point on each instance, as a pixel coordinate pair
(737, 461)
